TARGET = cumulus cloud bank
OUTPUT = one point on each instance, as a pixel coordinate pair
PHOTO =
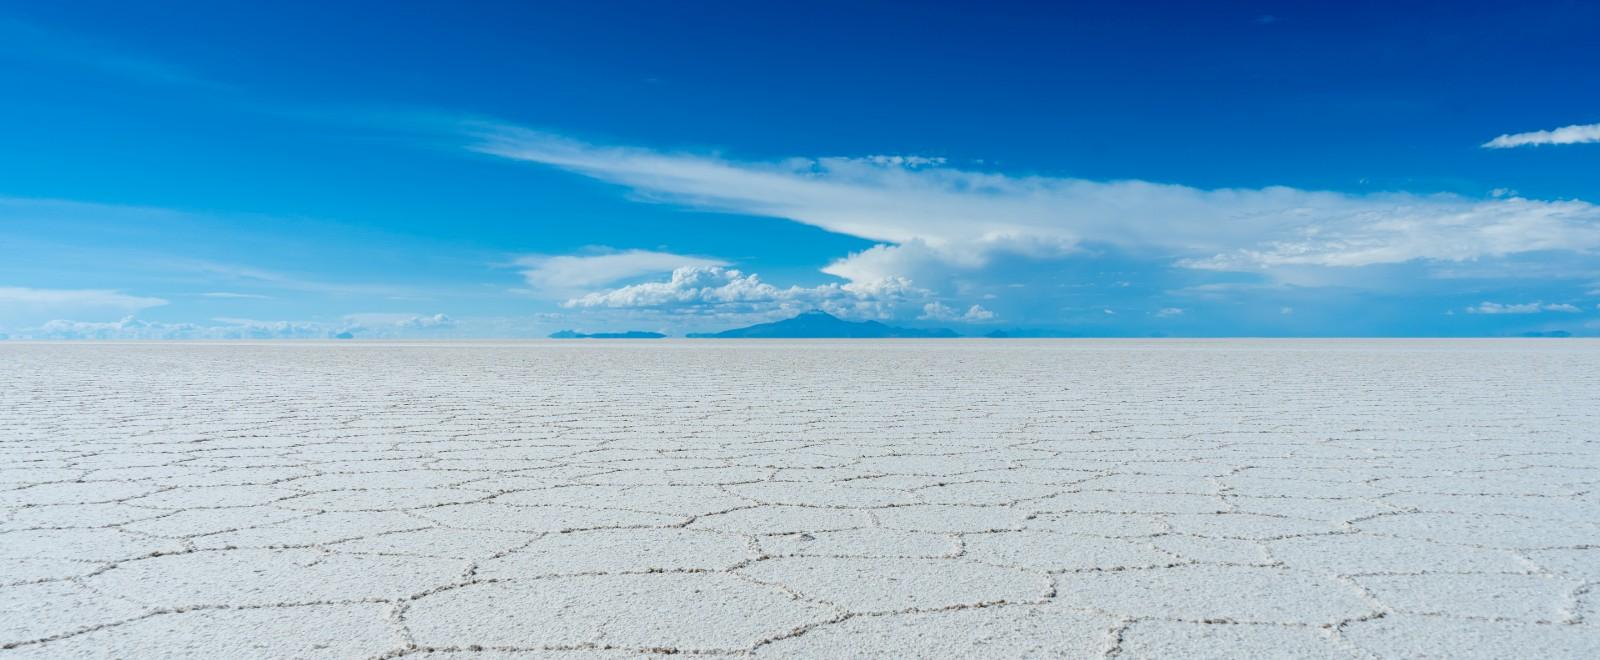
(928, 216)
(726, 290)
(1574, 134)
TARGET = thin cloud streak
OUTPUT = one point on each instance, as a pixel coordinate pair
(102, 298)
(1574, 134)
(283, 281)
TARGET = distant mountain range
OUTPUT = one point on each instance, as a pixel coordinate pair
(631, 334)
(817, 324)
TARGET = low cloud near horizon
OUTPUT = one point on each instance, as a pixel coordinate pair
(375, 326)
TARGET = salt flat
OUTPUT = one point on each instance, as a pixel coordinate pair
(1324, 499)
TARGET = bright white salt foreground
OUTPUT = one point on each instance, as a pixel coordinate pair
(802, 499)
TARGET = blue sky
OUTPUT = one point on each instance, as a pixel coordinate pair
(419, 170)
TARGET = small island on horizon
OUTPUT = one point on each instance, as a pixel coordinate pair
(630, 334)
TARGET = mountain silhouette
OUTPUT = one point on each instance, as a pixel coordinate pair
(817, 324)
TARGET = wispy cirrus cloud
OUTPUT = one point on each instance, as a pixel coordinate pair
(1522, 308)
(40, 43)
(251, 276)
(102, 298)
(935, 216)
(153, 243)
(1574, 134)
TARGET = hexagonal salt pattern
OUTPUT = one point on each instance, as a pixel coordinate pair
(584, 500)
(681, 611)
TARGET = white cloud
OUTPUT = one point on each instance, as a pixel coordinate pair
(100, 298)
(1521, 308)
(933, 219)
(937, 311)
(1574, 134)
(1168, 312)
(977, 313)
(562, 276)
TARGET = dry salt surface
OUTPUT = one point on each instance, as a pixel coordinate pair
(589, 500)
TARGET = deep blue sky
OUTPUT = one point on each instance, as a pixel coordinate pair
(395, 169)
